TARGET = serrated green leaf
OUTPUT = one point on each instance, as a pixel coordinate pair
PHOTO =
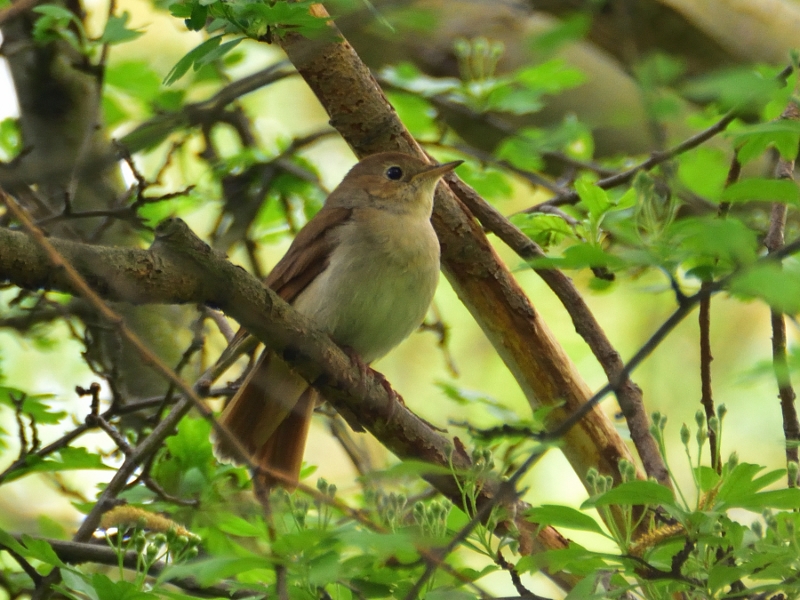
(594, 198)
(563, 516)
(116, 32)
(40, 550)
(67, 459)
(632, 493)
(783, 134)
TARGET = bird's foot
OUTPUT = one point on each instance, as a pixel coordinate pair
(364, 368)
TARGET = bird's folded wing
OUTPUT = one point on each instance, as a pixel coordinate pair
(309, 254)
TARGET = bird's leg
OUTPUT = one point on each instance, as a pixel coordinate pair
(364, 368)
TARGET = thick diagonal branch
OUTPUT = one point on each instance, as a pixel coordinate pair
(363, 116)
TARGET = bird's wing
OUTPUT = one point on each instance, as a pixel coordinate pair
(309, 254)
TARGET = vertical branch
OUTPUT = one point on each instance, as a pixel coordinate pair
(774, 242)
(706, 398)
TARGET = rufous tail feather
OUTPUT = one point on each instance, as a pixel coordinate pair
(269, 416)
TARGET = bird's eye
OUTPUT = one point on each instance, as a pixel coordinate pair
(394, 173)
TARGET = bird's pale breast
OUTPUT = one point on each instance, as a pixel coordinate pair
(379, 283)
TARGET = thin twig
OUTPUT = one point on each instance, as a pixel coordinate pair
(707, 399)
(656, 158)
(774, 242)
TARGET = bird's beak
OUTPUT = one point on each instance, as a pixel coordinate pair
(436, 171)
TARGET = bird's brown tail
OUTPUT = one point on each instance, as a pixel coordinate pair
(270, 416)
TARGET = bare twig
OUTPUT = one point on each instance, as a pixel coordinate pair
(655, 159)
(707, 399)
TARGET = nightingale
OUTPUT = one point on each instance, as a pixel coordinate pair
(364, 269)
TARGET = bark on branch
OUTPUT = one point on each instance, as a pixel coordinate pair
(366, 120)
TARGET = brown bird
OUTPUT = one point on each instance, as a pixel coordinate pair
(364, 269)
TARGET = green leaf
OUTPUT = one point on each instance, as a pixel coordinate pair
(707, 477)
(7, 540)
(40, 550)
(717, 239)
(777, 285)
(236, 525)
(325, 568)
(569, 28)
(632, 493)
(733, 88)
(217, 53)
(550, 77)
(763, 189)
(784, 134)
(545, 230)
(416, 114)
(116, 32)
(67, 459)
(563, 516)
(408, 77)
(184, 64)
(593, 197)
(580, 256)
(704, 171)
(136, 78)
(10, 139)
(212, 570)
(117, 590)
(742, 481)
(75, 581)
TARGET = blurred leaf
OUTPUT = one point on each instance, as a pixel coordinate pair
(408, 468)
(67, 459)
(580, 256)
(116, 31)
(137, 78)
(563, 516)
(544, 229)
(659, 69)
(235, 525)
(550, 77)
(416, 114)
(704, 171)
(210, 50)
(10, 139)
(716, 239)
(632, 493)
(208, 571)
(117, 590)
(783, 134)
(40, 550)
(733, 88)
(763, 189)
(75, 581)
(567, 29)
(408, 77)
(777, 286)
(489, 182)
